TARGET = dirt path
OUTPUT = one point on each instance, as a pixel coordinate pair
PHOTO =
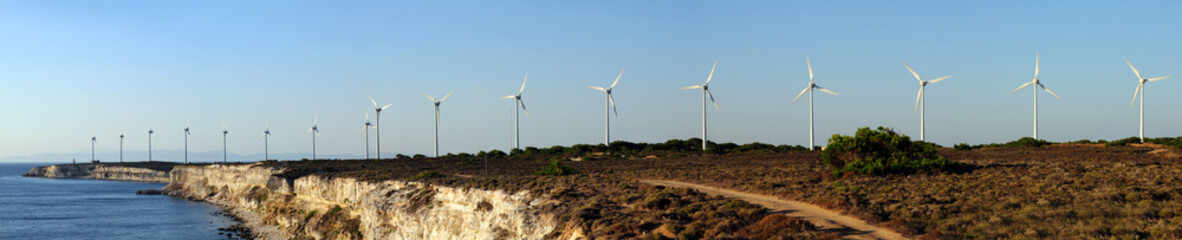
(826, 220)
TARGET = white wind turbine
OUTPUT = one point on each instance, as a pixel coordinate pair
(518, 102)
(93, 139)
(436, 103)
(378, 125)
(150, 132)
(121, 134)
(186, 143)
(610, 107)
(809, 89)
(266, 141)
(705, 94)
(365, 131)
(1141, 90)
(1037, 85)
(314, 131)
(920, 100)
(225, 150)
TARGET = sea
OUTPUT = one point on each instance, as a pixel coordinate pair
(41, 208)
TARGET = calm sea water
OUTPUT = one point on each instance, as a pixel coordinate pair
(40, 208)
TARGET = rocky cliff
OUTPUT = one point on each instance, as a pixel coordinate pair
(101, 171)
(343, 208)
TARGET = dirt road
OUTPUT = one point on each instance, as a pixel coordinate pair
(848, 227)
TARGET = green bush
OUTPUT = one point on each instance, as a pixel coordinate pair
(1028, 142)
(963, 147)
(879, 152)
(428, 174)
(556, 168)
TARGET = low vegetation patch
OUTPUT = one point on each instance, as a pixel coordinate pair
(880, 151)
(556, 168)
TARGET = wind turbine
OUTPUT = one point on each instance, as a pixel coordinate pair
(314, 131)
(93, 139)
(516, 115)
(705, 93)
(378, 125)
(150, 132)
(225, 151)
(1036, 86)
(1141, 90)
(610, 107)
(186, 143)
(436, 103)
(365, 130)
(809, 89)
(920, 100)
(121, 134)
(266, 141)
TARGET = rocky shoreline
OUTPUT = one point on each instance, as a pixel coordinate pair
(272, 205)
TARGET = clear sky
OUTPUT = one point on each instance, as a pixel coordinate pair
(73, 69)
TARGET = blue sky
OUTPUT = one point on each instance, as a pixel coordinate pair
(75, 69)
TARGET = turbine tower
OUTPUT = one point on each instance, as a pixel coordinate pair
(378, 125)
(516, 115)
(266, 141)
(436, 103)
(705, 93)
(920, 100)
(150, 132)
(809, 89)
(121, 134)
(225, 151)
(365, 131)
(1141, 90)
(314, 131)
(186, 143)
(610, 108)
(1037, 85)
(93, 139)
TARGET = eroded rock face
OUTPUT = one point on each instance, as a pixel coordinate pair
(344, 208)
(101, 172)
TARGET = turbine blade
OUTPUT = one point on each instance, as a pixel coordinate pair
(597, 88)
(940, 79)
(363, 128)
(522, 102)
(827, 90)
(366, 111)
(375, 103)
(429, 97)
(1021, 87)
(810, 64)
(711, 74)
(508, 97)
(917, 97)
(1156, 79)
(1139, 86)
(1044, 88)
(523, 84)
(801, 94)
(445, 96)
(1134, 69)
(612, 100)
(692, 87)
(712, 100)
(387, 106)
(913, 72)
(1035, 64)
(617, 79)
(309, 130)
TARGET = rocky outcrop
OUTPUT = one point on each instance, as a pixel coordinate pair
(343, 208)
(100, 171)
